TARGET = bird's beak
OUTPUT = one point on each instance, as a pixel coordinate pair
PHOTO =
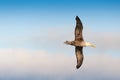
(66, 42)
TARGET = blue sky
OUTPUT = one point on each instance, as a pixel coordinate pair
(32, 33)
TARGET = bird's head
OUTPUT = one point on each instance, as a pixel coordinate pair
(69, 42)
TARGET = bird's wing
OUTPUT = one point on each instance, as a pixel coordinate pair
(79, 56)
(78, 30)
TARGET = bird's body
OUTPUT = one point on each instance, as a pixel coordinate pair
(79, 42)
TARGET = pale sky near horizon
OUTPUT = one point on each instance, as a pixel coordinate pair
(32, 33)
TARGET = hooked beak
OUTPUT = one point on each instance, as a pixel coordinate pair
(66, 42)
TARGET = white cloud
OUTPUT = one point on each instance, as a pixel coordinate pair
(20, 62)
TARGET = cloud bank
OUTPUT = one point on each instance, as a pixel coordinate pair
(27, 64)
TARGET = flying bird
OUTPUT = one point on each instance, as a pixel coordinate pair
(79, 42)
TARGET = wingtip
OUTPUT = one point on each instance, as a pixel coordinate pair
(77, 66)
(77, 18)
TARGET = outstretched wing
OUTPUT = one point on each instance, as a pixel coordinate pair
(79, 56)
(78, 30)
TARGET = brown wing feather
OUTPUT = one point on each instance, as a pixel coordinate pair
(79, 56)
(78, 30)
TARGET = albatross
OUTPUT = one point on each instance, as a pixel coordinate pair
(79, 42)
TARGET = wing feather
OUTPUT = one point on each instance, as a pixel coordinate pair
(78, 30)
(79, 56)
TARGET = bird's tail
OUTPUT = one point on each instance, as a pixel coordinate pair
(90, 44)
